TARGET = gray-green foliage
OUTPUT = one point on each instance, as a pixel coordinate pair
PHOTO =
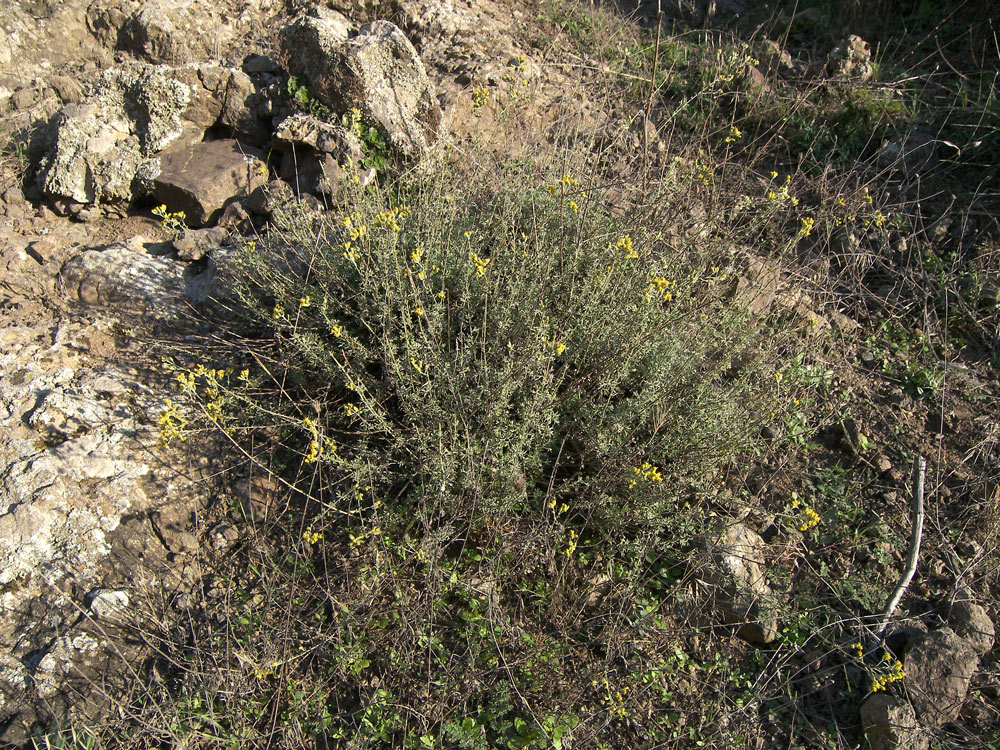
(484, 345)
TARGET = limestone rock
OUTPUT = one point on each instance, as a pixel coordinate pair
(737, 570)
(890, 724)
(970, 621)
(200, 179)
(938, 667)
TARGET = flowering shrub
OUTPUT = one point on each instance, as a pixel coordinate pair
(482, 351)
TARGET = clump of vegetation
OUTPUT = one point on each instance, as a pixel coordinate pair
(492, 389)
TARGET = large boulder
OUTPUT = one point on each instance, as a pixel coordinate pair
(200, 179)
(378, 71)
(96, 150)
(938, 667)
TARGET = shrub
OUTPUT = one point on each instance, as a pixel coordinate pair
(487, 345)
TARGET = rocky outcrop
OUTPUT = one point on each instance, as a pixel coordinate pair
(378, 71)
(96, 150)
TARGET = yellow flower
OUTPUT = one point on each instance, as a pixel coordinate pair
(573, 207)
(807, 226)
(305, 301)
(337, 330)
(418, 311)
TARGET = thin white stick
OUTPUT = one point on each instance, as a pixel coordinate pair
(919, 469)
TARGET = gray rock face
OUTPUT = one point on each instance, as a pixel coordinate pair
(138, 110)
(938, 668)
(201, 178)
(737, 555)
(890, 724)
(377, 71)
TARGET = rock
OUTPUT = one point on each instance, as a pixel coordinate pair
(150, 33)
(305, 131)
(200, 179)
(97, 149)
(123, 274)
(757, 288)
(775, 59)
(800, 306)
(67, 88)
(842, 324)
(235, 218)
(377, 71)
(239, 111)
(852, 59)
(254, 63)
(311, 46)
(107, 604)
(971, 622)
(938, 667)
(890, 724)
(386, 79)
(174, 32)
(89, 162)
(197, 243)
(737, 570)
(266, 198)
